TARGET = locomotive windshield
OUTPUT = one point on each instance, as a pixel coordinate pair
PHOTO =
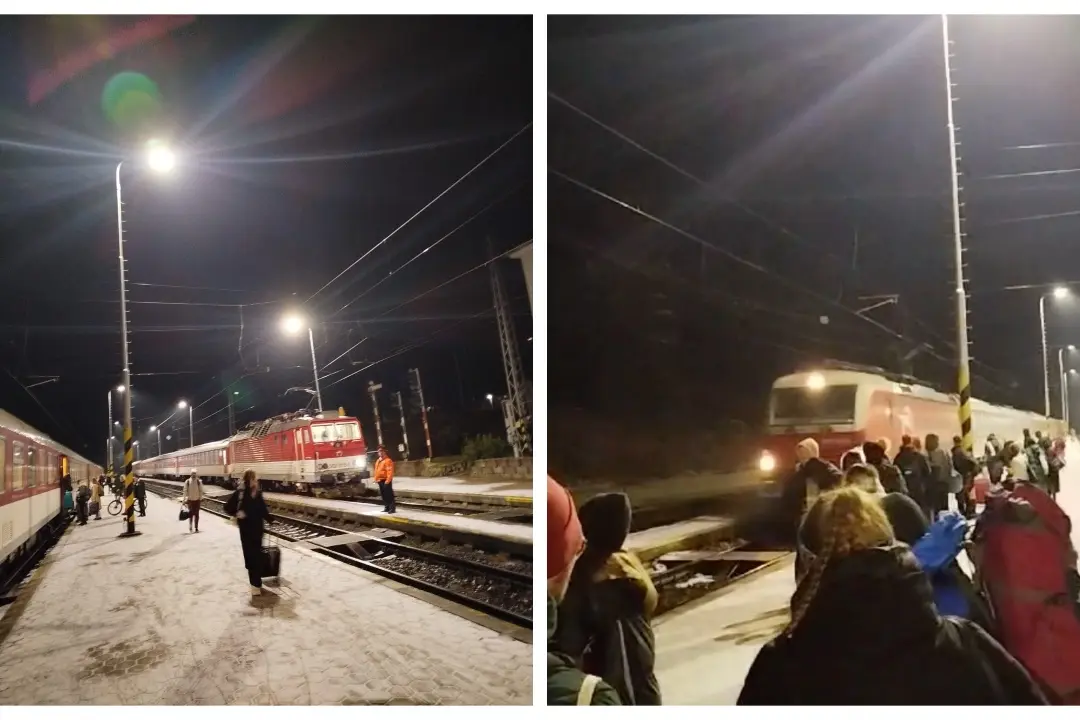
(833, 405)
(333, 432)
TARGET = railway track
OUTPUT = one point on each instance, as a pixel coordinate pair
(509, 514)
(495, 585)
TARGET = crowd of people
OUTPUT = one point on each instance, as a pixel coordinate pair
(881, 600)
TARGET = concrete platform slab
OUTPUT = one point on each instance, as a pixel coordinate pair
(486, 491)
(166, 619)
(657, 541)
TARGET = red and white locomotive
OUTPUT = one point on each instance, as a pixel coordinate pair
(293, 451)
(31, 467)
(843, 406)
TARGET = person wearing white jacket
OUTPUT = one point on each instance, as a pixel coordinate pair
(193, 495)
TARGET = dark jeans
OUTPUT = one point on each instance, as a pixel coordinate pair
(142, 505)
(251, 543)
(386, 490)
(193, 508)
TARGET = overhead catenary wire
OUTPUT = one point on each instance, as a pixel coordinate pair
(778, 279)
(415, 215)
(408, 262)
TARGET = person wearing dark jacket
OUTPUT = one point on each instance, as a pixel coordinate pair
(248, 506)
(566, 684)
(890, 476)
(140, 496)
(915, 468)
(864, 629)
(604, 620)
(966, 466)
(812, 476)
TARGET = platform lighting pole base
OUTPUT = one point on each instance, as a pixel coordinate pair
(127, 534)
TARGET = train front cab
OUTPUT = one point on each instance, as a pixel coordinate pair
(338, 450)
(835, 413)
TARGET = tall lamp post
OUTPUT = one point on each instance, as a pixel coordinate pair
(161, 160)
(156, 429)
(191, 420)
(1057, 293)
(292, 325)
(1064, 380)
(1068, 376)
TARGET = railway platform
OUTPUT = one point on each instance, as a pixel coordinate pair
(685, 534)
(485, 530)
(479, 491)
(166, 618)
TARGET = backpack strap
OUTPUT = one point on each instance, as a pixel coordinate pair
(588, 687)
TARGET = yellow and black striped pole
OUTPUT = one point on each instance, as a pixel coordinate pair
(129, 482)
(963, 360)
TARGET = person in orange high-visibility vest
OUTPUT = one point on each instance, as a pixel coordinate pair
(384, 475)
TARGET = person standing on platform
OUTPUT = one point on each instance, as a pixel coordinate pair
(193, 495)
(248, 506)
(82, 498)
(605, 618)
(566, 684)
(384, 476)
(95, 498)
(140, 495)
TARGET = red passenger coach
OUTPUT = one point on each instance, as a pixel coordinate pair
(843, 406)
(288, 451)
(31, 466)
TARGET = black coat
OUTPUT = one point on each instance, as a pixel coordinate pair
(256, 515)
(915, 468)
(821, 472)
(872, 636)
(604, 625)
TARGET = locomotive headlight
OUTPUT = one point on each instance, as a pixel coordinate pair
(361, 462)
(766, 463)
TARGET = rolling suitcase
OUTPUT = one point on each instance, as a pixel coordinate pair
(271, 561)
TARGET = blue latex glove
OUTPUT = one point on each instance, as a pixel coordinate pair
(941, 543)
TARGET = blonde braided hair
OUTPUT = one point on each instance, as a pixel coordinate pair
(850, 520)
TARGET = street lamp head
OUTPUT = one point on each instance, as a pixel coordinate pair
(490, 396)
(153, 428)
(1061, 292)
(182, 404)
(292, 324)
(1072, 371)
(1072, 347)
(160, 158)
(119, 388)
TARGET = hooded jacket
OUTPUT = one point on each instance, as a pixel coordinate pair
(891, 479)
(564, 680)
(871, 636)
(605, 618)
(811, 478)
(915, 468)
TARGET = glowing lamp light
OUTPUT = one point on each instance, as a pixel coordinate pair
(1061, 292)
(182, 404)
(119, 388)
(292, 324)
(153, 428)
(160, 158)
(767, 463)
(815, 381)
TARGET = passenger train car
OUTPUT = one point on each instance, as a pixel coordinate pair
(31, 467)
(841, 407)
(292, 451)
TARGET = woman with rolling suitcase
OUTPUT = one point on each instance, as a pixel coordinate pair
(248, 506)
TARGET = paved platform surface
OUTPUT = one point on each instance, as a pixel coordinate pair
(496, 491)
(654, 542)
(719, 637)
(166, 619)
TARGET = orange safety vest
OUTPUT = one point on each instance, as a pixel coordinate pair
(384, 470)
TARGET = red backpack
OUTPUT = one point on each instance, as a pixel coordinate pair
(1026, 567)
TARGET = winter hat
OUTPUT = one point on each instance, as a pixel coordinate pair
(605, 521)
(811, 447)
(564, 537)
(873, 452)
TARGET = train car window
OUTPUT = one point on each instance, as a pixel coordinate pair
(4, 483)
(31, 467)
(323, 433)
(805, 406)
(18, 466)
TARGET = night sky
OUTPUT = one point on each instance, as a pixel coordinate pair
(806, 161)
(303, 143)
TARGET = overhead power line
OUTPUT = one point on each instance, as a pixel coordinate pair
(415, 215)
